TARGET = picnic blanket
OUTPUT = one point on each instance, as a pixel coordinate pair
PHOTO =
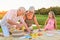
(44, 36)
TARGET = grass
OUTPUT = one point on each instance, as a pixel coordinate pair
(41, 20)
(0, 30)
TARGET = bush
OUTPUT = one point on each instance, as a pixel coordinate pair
(44, 11)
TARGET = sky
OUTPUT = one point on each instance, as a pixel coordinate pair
(15, 4)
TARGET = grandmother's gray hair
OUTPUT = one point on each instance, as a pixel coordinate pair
(32, 9)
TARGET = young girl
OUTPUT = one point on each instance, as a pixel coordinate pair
(50, 23)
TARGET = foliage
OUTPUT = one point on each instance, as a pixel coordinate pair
(45, 11)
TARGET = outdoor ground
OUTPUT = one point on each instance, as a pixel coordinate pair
(44, 36)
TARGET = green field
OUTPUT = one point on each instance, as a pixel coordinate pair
(42, 18)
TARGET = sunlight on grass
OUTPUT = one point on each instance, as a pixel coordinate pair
(0, 30)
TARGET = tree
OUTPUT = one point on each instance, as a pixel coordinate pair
(45, 11)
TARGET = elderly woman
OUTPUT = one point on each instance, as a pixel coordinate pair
(30, 17)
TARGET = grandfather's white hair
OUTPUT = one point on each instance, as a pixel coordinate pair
(21, 8)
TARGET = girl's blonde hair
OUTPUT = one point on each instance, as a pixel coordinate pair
(53, 15)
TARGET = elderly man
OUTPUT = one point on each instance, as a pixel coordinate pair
(11, 18)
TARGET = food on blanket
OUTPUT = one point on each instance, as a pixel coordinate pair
(40, 34)
(18, 21)
(12, 29)
(34, 35)
(23, 28)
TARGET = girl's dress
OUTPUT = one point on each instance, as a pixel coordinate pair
(50, 25)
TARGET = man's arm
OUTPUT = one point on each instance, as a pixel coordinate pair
(11, 22)
(9, 17)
